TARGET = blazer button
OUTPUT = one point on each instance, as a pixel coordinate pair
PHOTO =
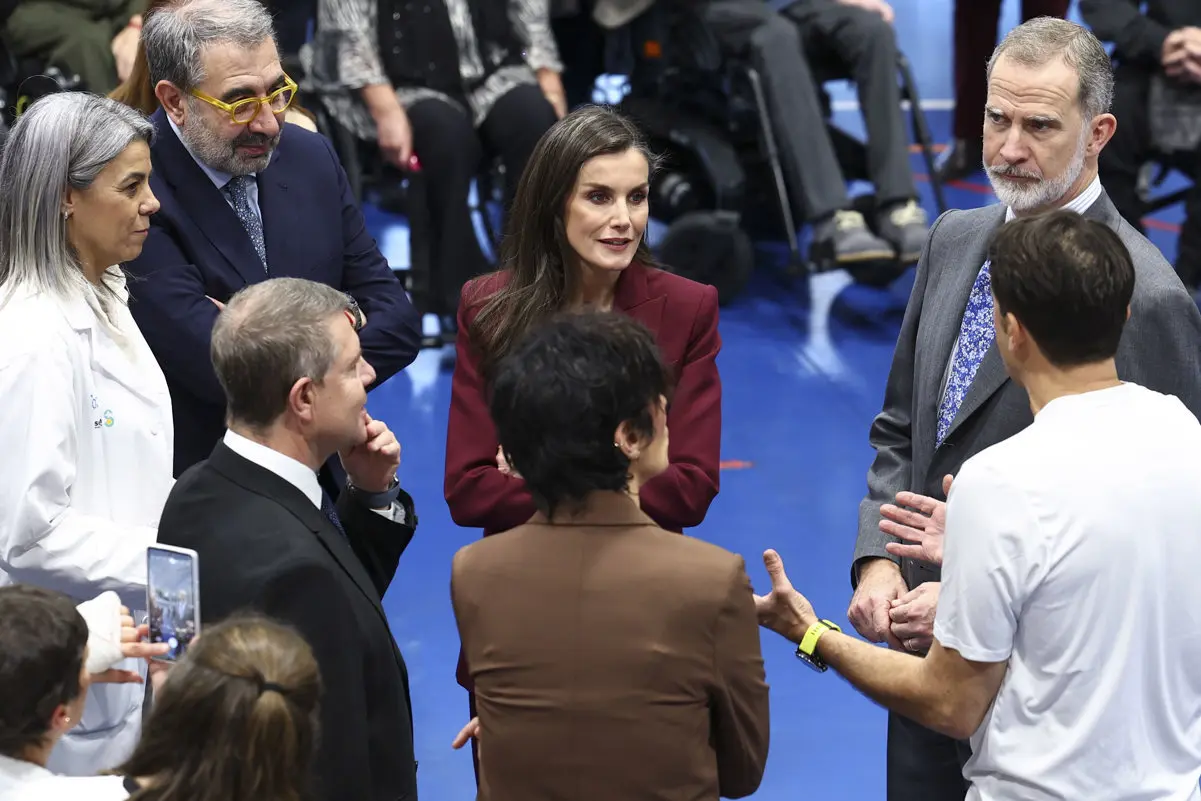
(396, 51)
(396, 16)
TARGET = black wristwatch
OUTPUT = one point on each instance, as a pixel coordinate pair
(375, 500)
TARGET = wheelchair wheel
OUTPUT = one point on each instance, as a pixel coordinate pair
(709, 247)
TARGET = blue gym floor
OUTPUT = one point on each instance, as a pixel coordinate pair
(803, 366)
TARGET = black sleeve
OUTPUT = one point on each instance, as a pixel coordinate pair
(377, 541)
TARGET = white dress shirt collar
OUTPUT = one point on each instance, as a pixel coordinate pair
(1079, 204)
(295, 473)
(220, 179)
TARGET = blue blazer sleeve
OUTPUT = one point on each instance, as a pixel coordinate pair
(170, 306)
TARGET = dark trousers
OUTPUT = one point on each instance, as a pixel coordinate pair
(782, 48)
(924, 765)
(452, 154)
(1129, 149)
(975, 38)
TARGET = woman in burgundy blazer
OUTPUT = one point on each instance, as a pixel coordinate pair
(591, 143)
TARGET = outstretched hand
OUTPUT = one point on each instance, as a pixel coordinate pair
(783, 610)
(924, 529)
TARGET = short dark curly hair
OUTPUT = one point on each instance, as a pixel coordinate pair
(560, 395)
(43, 639)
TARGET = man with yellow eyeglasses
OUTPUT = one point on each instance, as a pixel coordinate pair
(244, 198)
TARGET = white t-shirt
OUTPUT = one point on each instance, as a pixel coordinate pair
(1073, 551)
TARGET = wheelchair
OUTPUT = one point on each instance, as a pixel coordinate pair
(721, 176)
(22, 81)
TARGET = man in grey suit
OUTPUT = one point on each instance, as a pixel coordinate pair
(948, 396)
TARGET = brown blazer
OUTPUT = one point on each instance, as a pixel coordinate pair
(611, 659)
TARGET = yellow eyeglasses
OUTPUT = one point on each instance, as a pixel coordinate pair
(244, 111)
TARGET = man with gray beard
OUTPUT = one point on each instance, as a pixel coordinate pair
(244, 198)
(948, 396)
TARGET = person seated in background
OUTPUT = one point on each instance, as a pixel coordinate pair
(295, 378)
(94, 39)
(137, 90)
(1067, 687)
(240, 709)
(244, 198)
(1157, 97)
(449, 81)
(610, 658)
(45, 673)
(858, 37)
(88, 464)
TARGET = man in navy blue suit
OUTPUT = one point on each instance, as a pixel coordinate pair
(245, 197)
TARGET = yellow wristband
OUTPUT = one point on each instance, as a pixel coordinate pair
(807, 650)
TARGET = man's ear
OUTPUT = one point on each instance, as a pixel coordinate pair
(172, 100)
(302, 399)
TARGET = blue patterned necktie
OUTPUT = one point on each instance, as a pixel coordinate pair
(236, 191)
(976, 335)
(327, 508)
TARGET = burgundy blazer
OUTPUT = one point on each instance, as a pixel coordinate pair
(683, 316)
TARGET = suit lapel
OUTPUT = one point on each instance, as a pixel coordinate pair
(261, 481)
(274, 207)
(991, 374)
(203, 202)
(972, 247)
(632, 296)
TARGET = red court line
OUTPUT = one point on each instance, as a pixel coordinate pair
(981, 189)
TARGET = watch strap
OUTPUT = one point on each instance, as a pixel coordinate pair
(376, 500)
(807, 649)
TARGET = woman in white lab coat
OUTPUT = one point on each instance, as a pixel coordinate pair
(85, 443)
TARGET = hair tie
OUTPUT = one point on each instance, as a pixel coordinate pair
(266, 686)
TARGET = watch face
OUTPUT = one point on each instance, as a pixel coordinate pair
(820, 667)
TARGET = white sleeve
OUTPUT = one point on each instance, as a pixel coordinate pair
(988, 561)
(43, 539)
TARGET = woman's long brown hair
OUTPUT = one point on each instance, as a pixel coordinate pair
(236, 719)
(137, 91)
(542, 279)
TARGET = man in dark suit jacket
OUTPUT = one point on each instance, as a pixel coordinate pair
(243, 201)
(269, 539)
(948, 396)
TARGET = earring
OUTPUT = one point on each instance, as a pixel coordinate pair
(66, 214)
(67, 719)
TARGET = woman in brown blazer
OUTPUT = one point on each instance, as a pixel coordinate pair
(611, 659)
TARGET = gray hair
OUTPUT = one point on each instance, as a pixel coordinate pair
(176, 35)
(1037, 42)
(61, 142)
(269, 336)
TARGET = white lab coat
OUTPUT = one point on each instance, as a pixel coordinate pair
(85, 469)
(25, 781)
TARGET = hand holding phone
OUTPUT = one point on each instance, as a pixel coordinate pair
(172, 598)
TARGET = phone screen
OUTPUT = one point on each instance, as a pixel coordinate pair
(171, 599)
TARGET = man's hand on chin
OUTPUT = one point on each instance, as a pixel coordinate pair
(372, 464)
(783, 610)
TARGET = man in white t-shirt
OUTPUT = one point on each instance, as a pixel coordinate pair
(1067, 641)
